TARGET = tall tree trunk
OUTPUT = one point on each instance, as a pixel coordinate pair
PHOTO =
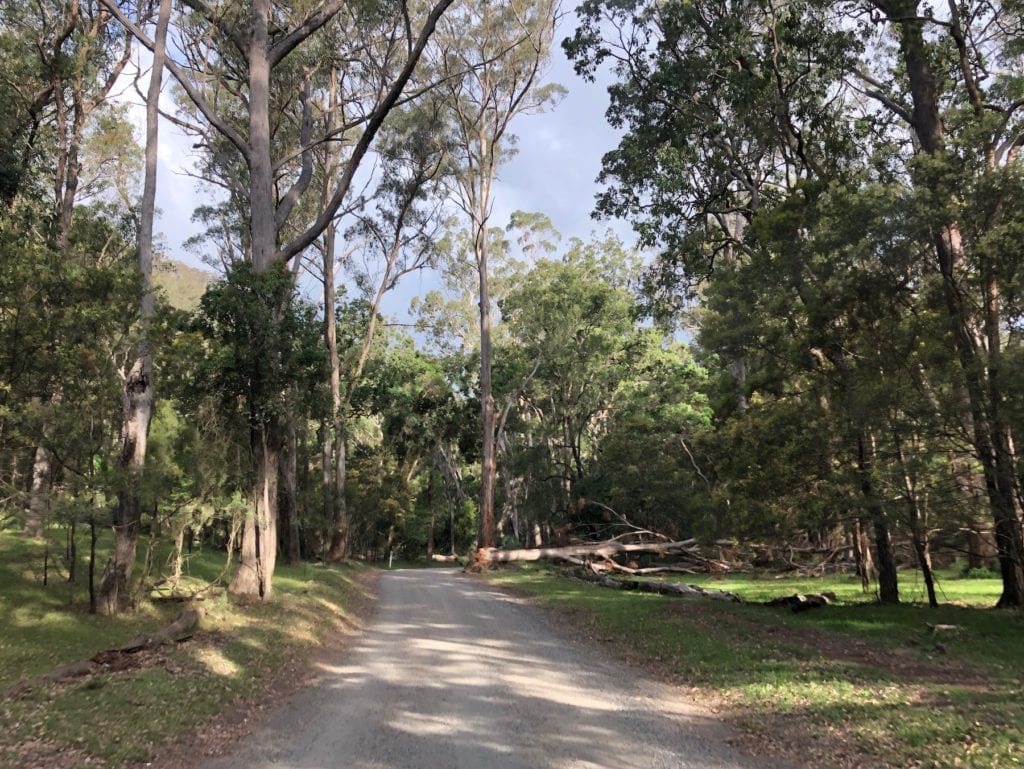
(39, 493)
(488, 460)
(888, 585)
(977, 342)
(114, 594)
(335, 457)
(338, 549)
(327, 477)
(254, 576)
(289, 512)
(917, 522)
(262, 212)
(922, 549)
(862, 556)
(433, 515)
(302, 476)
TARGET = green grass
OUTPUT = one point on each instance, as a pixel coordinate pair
(950, 587)
(46, 625)
(853, 684)
(118, 718)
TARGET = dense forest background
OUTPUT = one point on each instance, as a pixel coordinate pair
(816, 349)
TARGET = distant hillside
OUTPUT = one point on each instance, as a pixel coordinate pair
(182, 284)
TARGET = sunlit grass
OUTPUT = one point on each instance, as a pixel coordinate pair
(115, 719)
(951, 587)
(854, 681)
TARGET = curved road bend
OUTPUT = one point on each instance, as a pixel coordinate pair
(453, 674)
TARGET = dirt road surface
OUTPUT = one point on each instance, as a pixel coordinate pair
(453, 674)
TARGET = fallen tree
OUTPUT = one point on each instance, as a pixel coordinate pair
(661, 588)
(180, 630)
(600, 556)
(573, 553)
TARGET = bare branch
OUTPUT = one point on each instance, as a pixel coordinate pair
(193, 93)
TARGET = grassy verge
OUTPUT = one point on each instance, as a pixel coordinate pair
(848, 686)
(127, 716)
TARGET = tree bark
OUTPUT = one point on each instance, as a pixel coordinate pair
(862, 556)
(262, 211)
(433, 515)
(254, 575)
(888, 585)
(114, 594)
(488, 460)
(335, 442)
(917, 522)
(290, 510)
(39, 493)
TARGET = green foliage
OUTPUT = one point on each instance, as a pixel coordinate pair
(714, 87)
(182, 285)
(260, 343)
(67, 324)
(976, 573)
(856, 356)
(598, 407)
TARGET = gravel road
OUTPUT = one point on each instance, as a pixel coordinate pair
(453, 674)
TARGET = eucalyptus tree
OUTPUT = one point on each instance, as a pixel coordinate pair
(491, 61)
(731, 107)
(721, 100)
(247, 77)
(591, 396)
(571, 328)
(398, 233)
(968, 131)
(55, 94)
(114, 595)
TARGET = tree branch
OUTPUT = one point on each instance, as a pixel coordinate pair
(193, 94)
(373, 125)
(312, 23)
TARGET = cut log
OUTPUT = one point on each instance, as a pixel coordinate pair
(444, 558)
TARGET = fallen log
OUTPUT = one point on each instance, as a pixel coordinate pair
(938, 628)
(610, 565)
(181, 629)
(487, 555)
(662, 588)
(444, 558)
